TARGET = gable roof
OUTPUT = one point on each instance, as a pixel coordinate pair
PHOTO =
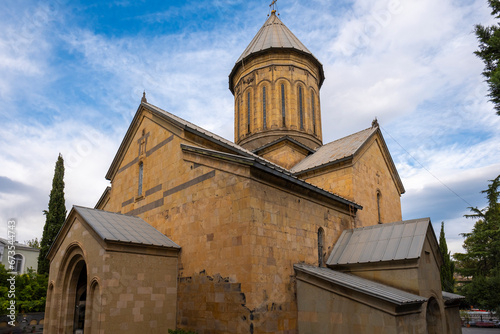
(274, 35)
(334, 151)
(187, 126)
(384, 242)
(345, 148)
(363, 285)
(259, 165)
(234, 148)
(122, 228)
(284, 139)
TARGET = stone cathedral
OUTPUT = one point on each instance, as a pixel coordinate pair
(274, 233)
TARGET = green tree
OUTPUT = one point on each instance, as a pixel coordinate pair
(54, 217)
(484, 291)
(31, 291)
(489, 52)
(448, 267)
(481, 261)
(482, 245)
(34, 243)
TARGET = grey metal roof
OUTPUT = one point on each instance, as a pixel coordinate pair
(335, 150)
(18, 245)
(121, 228)
(281, 139)
(371, 288)
(383, 242)
(239, 149)
(451, 297)
(273, 34)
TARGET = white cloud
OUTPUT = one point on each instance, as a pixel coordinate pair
(410, 65)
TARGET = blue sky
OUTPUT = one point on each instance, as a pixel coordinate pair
(72, 74)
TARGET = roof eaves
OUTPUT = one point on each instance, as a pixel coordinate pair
(291, 178)
(327, 164)
(398, 180)
(389, 295)
(98, 232)
(269, 169)
(218, 154)
(272, 49)
(116, 160)
(101, 199)
(283, 139)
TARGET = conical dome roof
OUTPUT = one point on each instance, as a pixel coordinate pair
(274, 35)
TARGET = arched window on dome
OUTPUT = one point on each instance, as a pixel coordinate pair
(264, 116)
(313, 112)
(238, 116)
(283, 114)
(248, 112)
(301, 109)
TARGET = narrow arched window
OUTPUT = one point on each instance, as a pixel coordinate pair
(283, 122)
(264, 121)
(301, 111)
(238, 116)
(321, 245)
(248, 112)
(313, 112)
(141, 176)
(378, 207)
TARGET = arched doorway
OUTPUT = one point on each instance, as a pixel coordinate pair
(433, 317)
(80, 301)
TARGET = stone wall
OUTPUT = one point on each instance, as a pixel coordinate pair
(359, 179)
(240, 230)
(129, 289)
(292, 70)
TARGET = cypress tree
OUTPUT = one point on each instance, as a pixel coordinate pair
(448, 267)
(54, 216)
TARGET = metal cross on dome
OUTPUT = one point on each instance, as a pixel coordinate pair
(273, 4)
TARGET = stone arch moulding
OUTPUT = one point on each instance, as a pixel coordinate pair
(433, 316)
(72, 265)
(95, 305)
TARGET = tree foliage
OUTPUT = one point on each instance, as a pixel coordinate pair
(34, 243)
(30, 292)
(484, 291)
(54, 216)
(481, 261)
(489, 52)
(448, 267)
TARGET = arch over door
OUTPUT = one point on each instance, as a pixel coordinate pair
(433, 317)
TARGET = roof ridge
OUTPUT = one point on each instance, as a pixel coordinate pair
(352, 134)
(203, 132)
